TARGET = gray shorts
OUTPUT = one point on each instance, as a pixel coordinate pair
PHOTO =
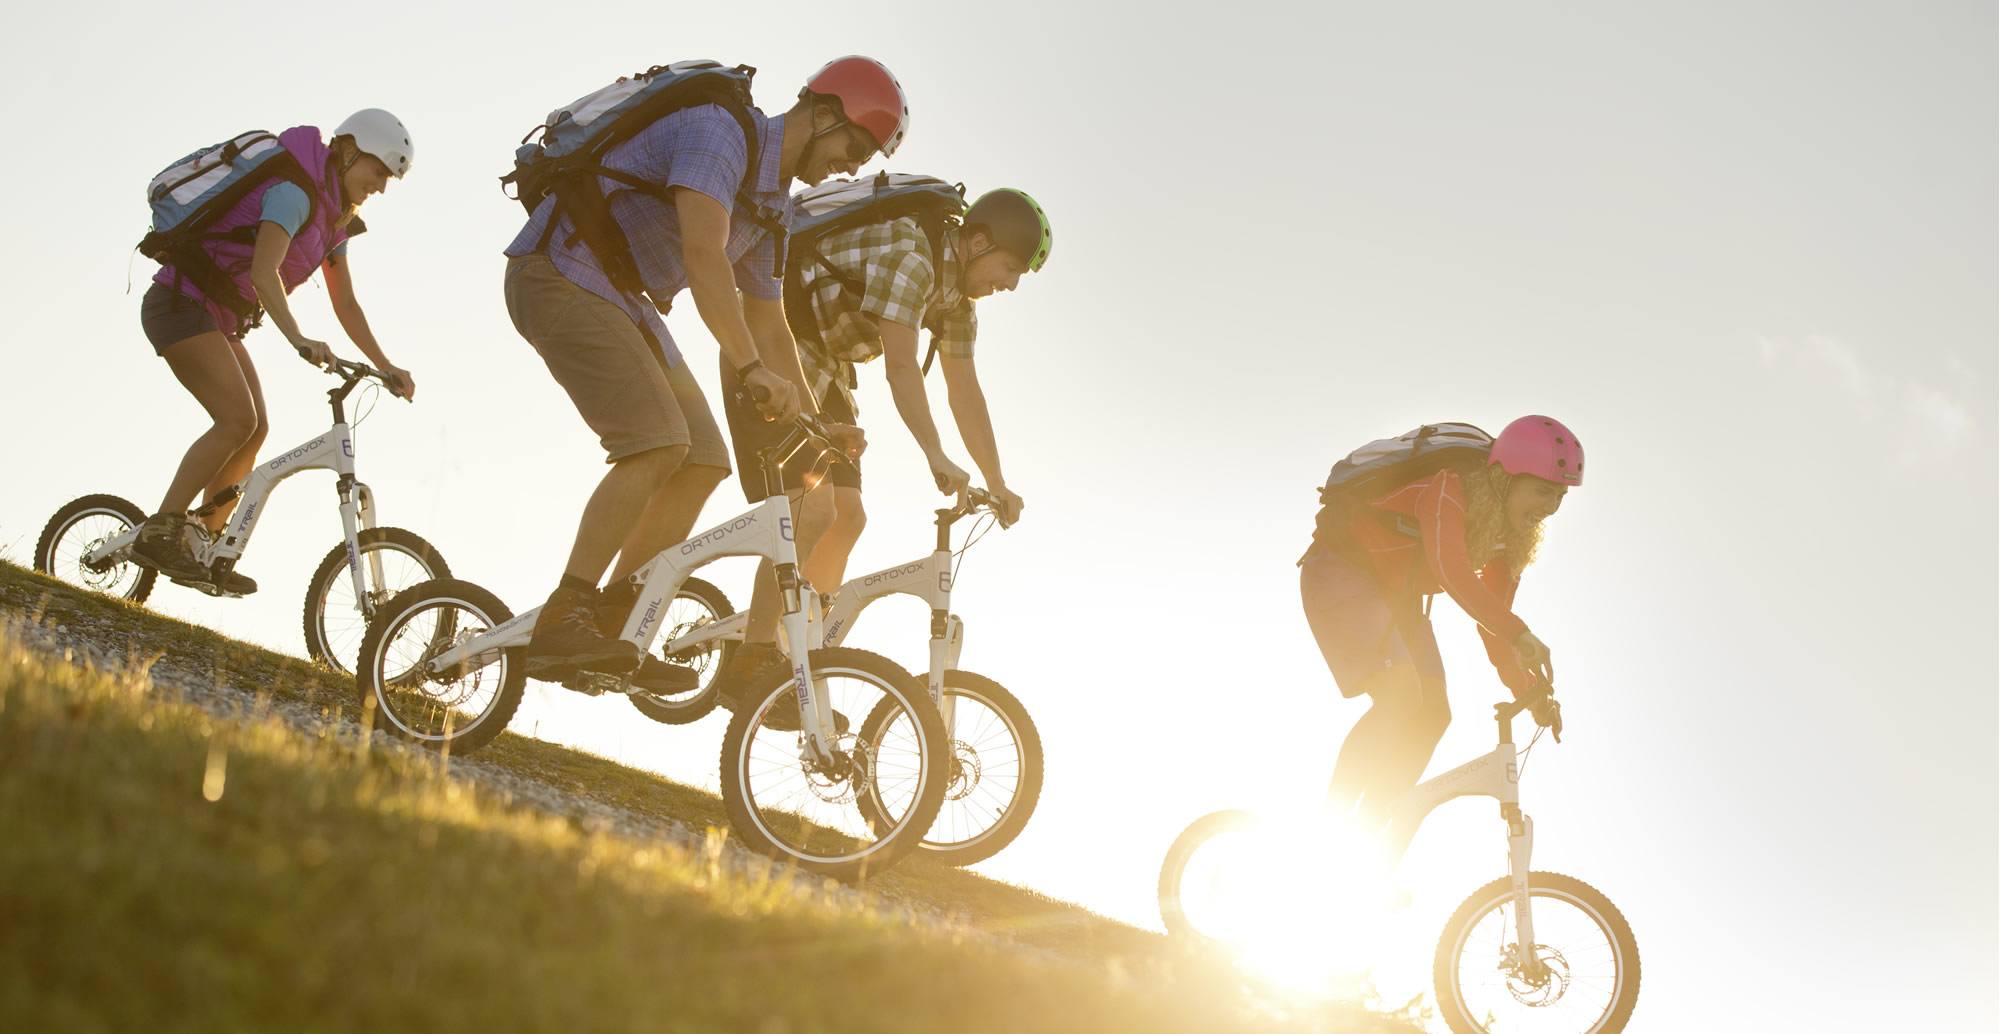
(615, 374)
(1360, 632)
(168, 316)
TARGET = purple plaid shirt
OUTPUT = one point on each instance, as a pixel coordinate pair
(698, 148)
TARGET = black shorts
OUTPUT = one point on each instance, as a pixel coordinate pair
(167, 316)
(749, 433)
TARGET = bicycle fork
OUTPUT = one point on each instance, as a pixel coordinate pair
(947, 640)
(357, 514)
(1520, 845)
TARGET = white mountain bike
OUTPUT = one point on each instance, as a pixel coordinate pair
(442, 664)
(88, 542)
(995, 774)
(1528, 951)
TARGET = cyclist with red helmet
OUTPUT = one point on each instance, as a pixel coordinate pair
(1465, 530)
(688, 212)
(865, 294)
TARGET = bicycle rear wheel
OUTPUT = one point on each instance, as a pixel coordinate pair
(994, 775)
(697, 603)
(78, 528)
(1582, 976)
(1196, 877)
(786, 803)
(457, 710)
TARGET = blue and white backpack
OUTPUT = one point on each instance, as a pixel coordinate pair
(843, 204)
(564, 155)
(191, 194)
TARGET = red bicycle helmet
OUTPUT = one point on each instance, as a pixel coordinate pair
(869, 95)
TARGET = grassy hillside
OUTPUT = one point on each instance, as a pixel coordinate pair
(170, 860)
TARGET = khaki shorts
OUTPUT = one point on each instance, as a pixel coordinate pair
(614, 373)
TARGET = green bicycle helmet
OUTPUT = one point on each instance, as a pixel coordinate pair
(1014, 222)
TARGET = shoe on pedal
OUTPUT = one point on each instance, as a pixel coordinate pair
(566, 639)
(225, 583)
(166, 543)
(660, 676)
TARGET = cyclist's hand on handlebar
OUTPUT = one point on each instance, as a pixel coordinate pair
(1006, 504)
(401, 384)
(950, 477)
(851, 440)
(776, 397)
(1534, 656)
(1548, 713)
(318, 353)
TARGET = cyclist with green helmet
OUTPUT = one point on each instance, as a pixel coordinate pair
(877, 285)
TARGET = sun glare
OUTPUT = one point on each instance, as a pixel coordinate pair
(1308, 906)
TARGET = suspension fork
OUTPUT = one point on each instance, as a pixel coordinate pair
(357, 514)
(1520, 845)
(947, 640)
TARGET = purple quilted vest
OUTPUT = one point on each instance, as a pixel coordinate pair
(310, 246)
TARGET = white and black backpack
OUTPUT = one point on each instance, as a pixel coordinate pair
(843, 204)
(188, 196)
(565, 155)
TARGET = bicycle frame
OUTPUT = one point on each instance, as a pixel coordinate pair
(1496, 775)
(332, 450)
(765, 531)
(929, 579)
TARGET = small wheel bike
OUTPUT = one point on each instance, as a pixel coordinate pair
(88, 543)
(994, 778)
(1529, 951)
(442, 664)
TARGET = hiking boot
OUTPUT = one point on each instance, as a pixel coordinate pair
(661, 676)
(566, 639)
(226, 583)
(756, 669)
(166, 544)
(614, 605)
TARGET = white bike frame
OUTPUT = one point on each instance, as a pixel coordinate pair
(929, 579)
(332, 450)
(1496, 775)
(765, 531)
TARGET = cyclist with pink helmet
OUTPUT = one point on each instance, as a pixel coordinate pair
(1466, 524)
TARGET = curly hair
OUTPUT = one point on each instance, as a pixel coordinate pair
(1487, 537)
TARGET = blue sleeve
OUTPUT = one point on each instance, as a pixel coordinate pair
(753, 270)
(707, 152)
(287, 206)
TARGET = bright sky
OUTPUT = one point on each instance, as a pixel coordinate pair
(1746, 250)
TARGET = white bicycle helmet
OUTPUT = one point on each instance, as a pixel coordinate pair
(378, 133)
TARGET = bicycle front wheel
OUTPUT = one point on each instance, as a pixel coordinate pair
(458, 709)
(1580, 977)
(786, 802)
(994, 774)
(698, 603)
(77, 529)
(334, 620)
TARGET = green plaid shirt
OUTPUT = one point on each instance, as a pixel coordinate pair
(891, 261)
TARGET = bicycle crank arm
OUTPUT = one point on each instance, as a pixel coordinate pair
(481, 650)
(730, 627)
(111, 549)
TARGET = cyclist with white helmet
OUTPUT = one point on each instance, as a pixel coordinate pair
(1467, 530)
(865, 294)
(251, 257)
(688, 213)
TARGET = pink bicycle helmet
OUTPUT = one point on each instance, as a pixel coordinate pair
(1540, 446)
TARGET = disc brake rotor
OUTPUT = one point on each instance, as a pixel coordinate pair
(965, 771)
(1542, 989)
(847, 778)
(101, 574)
(461, 685)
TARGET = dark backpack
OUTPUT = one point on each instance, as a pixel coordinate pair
(847, 203)
(1380, 466)
(188, 196)
(564, 156)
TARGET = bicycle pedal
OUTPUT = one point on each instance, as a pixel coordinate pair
(597, 683)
